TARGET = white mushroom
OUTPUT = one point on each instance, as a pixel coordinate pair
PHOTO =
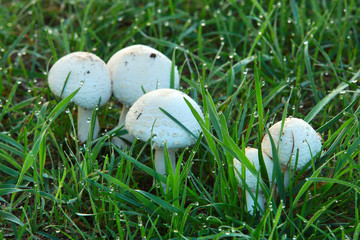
(146, 120)
(297, 136)
(252, 181)
(136, 70)
(88, 71)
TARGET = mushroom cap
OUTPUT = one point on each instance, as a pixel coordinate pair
(250, 179)
(139, 68)
(145, 119)
(297, 135)
(86, 70)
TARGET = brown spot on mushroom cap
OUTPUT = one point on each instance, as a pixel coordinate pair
(153, 55)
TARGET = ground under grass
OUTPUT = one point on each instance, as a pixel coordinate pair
(248, 64)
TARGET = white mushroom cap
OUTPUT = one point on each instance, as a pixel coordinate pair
(86, 70)
(139, 68)
(251, 180)
(145, 118)
(297, 135)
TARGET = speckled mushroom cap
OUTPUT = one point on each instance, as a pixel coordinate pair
(145, 118)
(139, 68)
(86, 70)
(297, 135)
(251, 180)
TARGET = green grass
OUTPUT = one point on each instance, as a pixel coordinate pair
(247, 63)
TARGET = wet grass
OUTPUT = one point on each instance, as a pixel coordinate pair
(248, 64)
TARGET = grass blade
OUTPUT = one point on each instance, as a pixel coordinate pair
(10, 217)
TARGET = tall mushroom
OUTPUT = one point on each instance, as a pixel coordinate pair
(135, 70)
(296, 144)
(146, 120)
(251, 181)
(88, 71)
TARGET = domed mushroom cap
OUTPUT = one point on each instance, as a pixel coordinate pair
(86, 70)
(145, 118)
(297, 135)
(251, 180)
(139, 68)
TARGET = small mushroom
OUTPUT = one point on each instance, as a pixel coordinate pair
(88, 71)
(135, 70)
(297, 137)
(252, 181)
(145, 120)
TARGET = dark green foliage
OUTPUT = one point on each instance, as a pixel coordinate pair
(247, 63)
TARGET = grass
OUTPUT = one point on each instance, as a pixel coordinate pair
(248, 64)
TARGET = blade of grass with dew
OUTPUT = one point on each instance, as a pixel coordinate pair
(349, 151)
(317, 215)
(5, 156)
(260, 114)
(11, 172)
(84, 23)
(356, 232)
(339, 135)
(141, 166)
(11, 142)
(22, 104)
(5, 191)
(128, 198)
(256, 234)
(143, 196)
(276, 219)
(236, 152)
(326, 56)
(12, 150)
(9, 100)
(309, 71)
(307, 184)
(202, 122)
(264, 26)
(177, 122)
(213, 116)
(15, 43)
(65, 39)
(277, 168)
(259, 99)
(323, 102)
(42, 158)
(10, 217)
(52, 47)
(328, 124)
(30, 157)
(356, 186)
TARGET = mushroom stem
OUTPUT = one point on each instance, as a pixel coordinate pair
(250, 203)
(118, 141)
(160, 165)
(84, 121)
